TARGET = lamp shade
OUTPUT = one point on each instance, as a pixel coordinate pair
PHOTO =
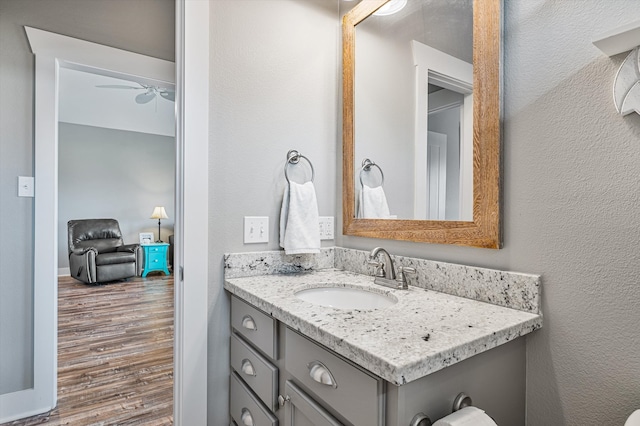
(159, 213)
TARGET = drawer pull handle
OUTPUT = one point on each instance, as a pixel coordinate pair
(247, 368)
(321, 374)
(246, 418)
(249, 323)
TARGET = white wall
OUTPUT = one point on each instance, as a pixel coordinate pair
(143, 26)
(274, 86)
(571, 176)
(384, 116)
(107, 173)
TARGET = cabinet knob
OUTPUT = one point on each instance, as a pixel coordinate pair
(321, 374)
(246, 418)
(249, 323)
(247, 368)
(283, 400)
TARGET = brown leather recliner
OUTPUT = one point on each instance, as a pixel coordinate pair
(97, 253)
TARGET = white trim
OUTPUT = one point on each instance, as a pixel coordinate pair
(103, 59)
(436, 67)
(620, 39)
(192, 135)
(52, 51)
(64, 272)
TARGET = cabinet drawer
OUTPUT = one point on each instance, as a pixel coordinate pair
(155, 258)
(255, 370)
(257, 327)
(355, 394)
(246, 409)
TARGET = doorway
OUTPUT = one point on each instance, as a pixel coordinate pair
(116, 159)
(53, 51)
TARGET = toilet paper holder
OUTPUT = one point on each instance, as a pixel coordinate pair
(420, 419)
(461, 400)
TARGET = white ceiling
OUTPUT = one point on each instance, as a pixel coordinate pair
(81, 102)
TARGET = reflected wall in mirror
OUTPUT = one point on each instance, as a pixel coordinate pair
(421, 101)
(413, 78)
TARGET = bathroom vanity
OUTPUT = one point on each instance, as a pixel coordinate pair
(296, 362)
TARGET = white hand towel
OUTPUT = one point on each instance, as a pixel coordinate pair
(299, 227)
(372, 203)
(468, 416)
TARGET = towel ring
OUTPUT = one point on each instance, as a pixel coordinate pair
(366, 167)
(293, 157)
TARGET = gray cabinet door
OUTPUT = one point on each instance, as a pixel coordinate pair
(301, 410)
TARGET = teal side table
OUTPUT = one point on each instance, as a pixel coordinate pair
(155, 258)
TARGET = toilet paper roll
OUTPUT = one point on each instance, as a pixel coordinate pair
(468, 416)
(634, 419)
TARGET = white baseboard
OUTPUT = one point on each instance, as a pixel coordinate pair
(64, 272)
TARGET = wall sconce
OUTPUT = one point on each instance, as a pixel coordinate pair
(159, 213)
(626, 85)
(394, 6)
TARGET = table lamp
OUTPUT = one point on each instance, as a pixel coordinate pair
(159, 213)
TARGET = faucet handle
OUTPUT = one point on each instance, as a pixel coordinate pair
(379, 267)
(402, 276)
(407, 270)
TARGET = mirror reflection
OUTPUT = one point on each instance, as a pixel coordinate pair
(413, 112)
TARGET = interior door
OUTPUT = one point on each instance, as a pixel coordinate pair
(302, 410)
(437, 175)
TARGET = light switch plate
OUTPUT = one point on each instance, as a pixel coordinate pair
(326, 227)
(25, 186)
(256, 229)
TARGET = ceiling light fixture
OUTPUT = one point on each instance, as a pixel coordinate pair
(393, 6)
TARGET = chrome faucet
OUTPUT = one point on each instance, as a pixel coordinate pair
(385, 272)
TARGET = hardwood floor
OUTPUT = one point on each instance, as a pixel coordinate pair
(115, 354)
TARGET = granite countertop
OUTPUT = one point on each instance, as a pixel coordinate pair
(425, 331)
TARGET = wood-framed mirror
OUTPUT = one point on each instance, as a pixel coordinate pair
(381, 131)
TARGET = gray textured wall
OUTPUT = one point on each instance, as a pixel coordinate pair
(115, 174)
(274, 86)
(142, 26)
(571, 179)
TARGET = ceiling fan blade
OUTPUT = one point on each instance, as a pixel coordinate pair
(146, 97)
(117, 86)
(169, 95)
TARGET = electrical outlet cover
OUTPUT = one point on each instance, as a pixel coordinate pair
(326, 227)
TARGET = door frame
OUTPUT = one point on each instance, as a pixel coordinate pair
(191, 247)
(436, 67)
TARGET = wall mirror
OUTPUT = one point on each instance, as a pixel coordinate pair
(421, 121)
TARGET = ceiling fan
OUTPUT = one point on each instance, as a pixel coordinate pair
(149, 94)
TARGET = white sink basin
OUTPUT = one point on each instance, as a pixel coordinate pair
(346, 298)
